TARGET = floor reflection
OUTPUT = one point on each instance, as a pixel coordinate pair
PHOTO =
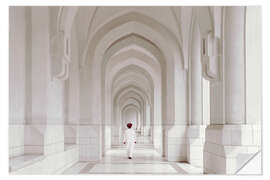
(145, 161)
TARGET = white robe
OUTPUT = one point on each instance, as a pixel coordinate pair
(130, 139)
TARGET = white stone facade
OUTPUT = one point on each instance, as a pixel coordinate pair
(188, 78)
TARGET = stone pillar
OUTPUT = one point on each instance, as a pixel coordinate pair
(195, 78)
(18, 104)
(234, 64)
(175, 127)
(196, 128)
(116, 126)
(38, 46)
(230, 141)
(47, 95)
(72, 94)
(147, 121)
(91, 131)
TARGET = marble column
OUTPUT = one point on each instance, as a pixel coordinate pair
(231, 142)
(195, 78)
(18, 72)
(234, 65)
(38, 53)
(47, 94)
(147, 121)
(196, 128)
(72, 94)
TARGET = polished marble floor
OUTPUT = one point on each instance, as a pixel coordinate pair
(18, 162)
(145, 161)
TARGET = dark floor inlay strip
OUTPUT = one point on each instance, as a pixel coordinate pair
(87, 168)
(177, 168)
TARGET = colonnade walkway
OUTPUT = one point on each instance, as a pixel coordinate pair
(145, 161)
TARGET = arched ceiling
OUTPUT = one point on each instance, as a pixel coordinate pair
(129, 47)
(93, 23)
(131, 96)
(131, 101)
(141, 95)
(139, 43)
(90, 19)
(130, 107)
(125, 25)
(135, 74)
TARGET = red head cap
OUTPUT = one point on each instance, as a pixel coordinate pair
(129, 125)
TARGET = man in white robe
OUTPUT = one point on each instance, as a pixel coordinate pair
(130, 140)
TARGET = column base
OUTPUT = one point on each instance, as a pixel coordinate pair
(176, 143)
(229, 147)
(70, 132)
(157, 138)
(195, 143)
(90, 142)
(34, 138)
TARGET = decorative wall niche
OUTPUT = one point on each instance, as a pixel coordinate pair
(60, 56)
(210, 52)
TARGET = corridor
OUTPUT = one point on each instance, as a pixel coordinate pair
(145, 161)
(188, 79)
